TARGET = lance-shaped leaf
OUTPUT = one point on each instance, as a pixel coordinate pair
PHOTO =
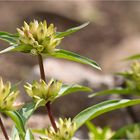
(17, 48)
(112, 91)
(59, 53)
(133, 57)
(119, 134)
(11, 38)
(15, 116)
(71, 30)
(26, 111)
(101, 108)
(68, 89)
(29, 135)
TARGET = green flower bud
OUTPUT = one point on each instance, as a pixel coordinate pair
(37, 34)
(7, 97)
(133, 77)
(66, 129)
(41, 90)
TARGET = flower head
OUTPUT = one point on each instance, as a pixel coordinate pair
(7, 97)
(66, 130)
(39, 37)
(41, 90)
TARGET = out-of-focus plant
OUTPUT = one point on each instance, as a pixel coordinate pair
(40, 39)
(97, 133)
(131, 84)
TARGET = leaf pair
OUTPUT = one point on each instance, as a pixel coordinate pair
(57, 53)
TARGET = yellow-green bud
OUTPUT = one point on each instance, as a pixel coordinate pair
(66, 129)
(7, 97)
(41, 90)
(37, 34)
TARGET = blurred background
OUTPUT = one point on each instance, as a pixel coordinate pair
(113, 34)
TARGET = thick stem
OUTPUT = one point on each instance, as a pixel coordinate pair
(3, 130)
(48, 106)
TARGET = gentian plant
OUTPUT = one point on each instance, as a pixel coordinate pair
(41, 40)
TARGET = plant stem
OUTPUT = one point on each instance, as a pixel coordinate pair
(48, 105)
(3, 130)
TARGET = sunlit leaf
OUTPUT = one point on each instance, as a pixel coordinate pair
(17, 48)
(101, 108)
(59, 53)
(112, 91)
(15, 116)
(29, 135)
(67, 89)
(8, 37)
(71, 30)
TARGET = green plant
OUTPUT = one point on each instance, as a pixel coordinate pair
(39, 39)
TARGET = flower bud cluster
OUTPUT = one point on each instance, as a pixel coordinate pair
(39, 37)
(66, 130)
(7, 97)
(41, 90)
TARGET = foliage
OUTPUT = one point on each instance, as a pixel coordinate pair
(39, 39)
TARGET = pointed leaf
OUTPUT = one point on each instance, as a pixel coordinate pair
(67, 89)
(101, 108)
(59, 53)
(26, 111)
(111, 91)
(17, 48)
(133, 57)
(9, 37)
(15, 116)
(15, 134)
(71, 30)
(29, 135)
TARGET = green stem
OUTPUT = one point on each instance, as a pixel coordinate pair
(3, 130)
(48, 105)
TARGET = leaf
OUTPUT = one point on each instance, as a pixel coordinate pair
(59, 53)
(14, 87)
(29, 135)
(101, 108)
(17, 48)
(8, 37)
(67, 89)
(71, 30)
(119, 134)
(15, 116)
(15, 135)
(91, 127)
(133, 57)
(26, 111)
(112, 91)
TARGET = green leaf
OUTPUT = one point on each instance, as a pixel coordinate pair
(133, 57)
(119, 134)
(59, 53)
(112, 91)
(92, 128)
(26, 111)
(15, 116)
(17, 48)
(14, 87)
(29, 135)
(15, 134)
(101, 108)
(11, 38)
(67, 89)
(71, 30)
